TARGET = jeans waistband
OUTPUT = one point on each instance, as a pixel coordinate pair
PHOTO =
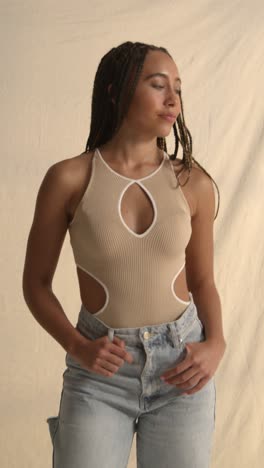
(93, 326)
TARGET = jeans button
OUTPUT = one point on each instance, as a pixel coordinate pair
(146, 335)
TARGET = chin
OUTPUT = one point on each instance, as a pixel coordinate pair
(164, 134)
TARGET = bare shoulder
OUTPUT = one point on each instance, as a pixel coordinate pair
(203, 189)
(72, 176)
(80, 168)
(72, 170)
(199, 189)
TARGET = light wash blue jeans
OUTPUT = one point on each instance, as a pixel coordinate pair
(99, 415)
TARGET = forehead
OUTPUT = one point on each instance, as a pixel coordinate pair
(159, 62)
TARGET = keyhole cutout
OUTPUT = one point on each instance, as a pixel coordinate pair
(137, 209)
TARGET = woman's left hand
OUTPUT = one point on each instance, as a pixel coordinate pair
(198, 367)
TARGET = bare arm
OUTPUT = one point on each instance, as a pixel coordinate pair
(44, 245)
(200, 260)
(203, 356)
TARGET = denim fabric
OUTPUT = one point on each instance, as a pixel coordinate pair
(98, 415)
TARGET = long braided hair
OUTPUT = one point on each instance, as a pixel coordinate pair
(121, 67)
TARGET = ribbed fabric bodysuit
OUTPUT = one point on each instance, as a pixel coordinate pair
(137, 271)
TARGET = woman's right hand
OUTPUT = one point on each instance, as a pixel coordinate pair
(101, 355)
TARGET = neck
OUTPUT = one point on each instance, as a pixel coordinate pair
(132, 153)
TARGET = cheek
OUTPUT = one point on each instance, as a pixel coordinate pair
(145, 103)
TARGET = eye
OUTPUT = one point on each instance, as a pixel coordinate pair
(177, 91)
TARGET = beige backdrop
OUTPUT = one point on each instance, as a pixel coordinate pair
(50, 51)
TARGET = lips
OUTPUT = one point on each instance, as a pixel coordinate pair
(169, 117)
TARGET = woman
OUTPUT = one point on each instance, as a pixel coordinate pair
(149, 336)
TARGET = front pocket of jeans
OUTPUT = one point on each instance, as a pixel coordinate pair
(199, 321)
(194, 332)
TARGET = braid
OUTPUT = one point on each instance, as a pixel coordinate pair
(121, 67)
(185, 139)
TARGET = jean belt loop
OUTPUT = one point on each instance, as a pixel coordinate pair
(111, 334)
(173, 331)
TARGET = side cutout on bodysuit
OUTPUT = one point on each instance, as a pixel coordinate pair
(137, 209)
(98, 299)
(178, 283)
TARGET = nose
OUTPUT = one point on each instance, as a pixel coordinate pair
(172, 97)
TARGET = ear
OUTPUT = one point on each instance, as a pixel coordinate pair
(109, 87)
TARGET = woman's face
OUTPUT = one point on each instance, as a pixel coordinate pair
(155, 96)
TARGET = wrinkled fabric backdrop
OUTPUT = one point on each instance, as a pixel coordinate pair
(49, 53)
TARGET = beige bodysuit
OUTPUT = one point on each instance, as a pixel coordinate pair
(137, 271)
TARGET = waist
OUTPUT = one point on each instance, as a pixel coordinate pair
(130, 314)
(93, 327)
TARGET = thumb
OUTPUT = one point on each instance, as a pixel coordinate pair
(188, 347)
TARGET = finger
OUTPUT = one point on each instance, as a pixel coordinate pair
(194, 380)
(183, 366)
(107, 366)
(197, 387)
(113, 354)
(110, 352)
(112, 362)
(125, 354)
(187, 378)
(116, 350)
(118, 341)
